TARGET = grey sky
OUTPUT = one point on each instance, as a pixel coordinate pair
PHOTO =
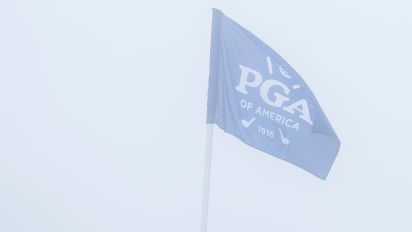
(103, 104)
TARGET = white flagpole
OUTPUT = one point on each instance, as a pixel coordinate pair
(206, 177)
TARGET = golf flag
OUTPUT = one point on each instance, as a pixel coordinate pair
(255, 95)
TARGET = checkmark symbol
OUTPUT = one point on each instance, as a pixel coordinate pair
(246, 123)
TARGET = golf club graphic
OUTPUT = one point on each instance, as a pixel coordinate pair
(246, 123)
(283, 138)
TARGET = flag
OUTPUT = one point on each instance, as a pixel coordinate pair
(255, 95)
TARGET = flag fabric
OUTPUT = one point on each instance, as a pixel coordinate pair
(255, 95)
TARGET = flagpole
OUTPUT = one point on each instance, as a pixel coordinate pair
(206, 178)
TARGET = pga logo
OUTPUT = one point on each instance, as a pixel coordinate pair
(251, 79)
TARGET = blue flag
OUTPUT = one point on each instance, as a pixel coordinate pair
(255, 95)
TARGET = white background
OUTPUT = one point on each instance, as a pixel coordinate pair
(103, 104)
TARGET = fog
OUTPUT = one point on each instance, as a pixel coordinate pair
(103, 109)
